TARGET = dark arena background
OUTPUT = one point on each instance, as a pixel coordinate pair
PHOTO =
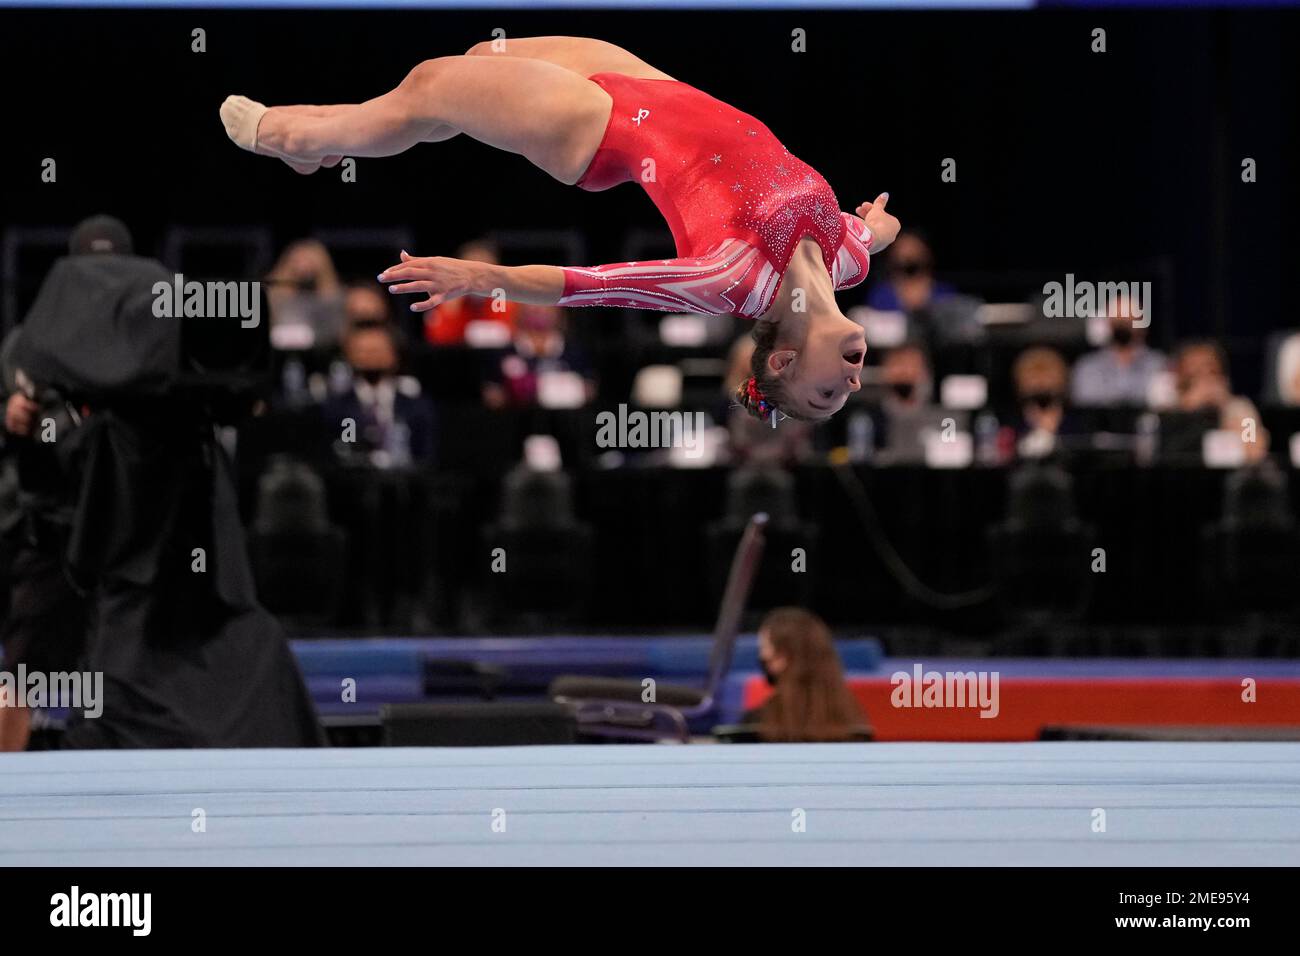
(545, 591)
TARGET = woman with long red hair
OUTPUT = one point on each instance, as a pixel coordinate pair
(811, 702)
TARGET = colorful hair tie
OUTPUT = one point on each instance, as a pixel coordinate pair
(759, 400)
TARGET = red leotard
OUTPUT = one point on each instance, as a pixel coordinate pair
(736, 200)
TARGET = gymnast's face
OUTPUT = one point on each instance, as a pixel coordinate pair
(822, 373)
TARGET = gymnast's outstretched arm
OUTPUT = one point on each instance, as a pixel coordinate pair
(444, 279)
(731, 279)
(710, 284)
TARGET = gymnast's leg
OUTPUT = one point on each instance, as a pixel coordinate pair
(545, 113)
(581, 55)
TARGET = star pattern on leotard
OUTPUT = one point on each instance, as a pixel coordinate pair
(715, 158)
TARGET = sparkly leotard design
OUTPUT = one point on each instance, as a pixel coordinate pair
(736, 200)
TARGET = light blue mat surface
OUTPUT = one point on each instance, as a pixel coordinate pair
(872, 804)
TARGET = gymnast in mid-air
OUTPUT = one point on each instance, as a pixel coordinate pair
(758, 232)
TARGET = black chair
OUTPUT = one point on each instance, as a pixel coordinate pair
(363, 251)
(770, 491)
(27, 253)
(540, 245)
(1041, 552)
(217, 251)
(615, 707)
(1181, 435)
(547, 552)
(298, 557)
(1253, 551)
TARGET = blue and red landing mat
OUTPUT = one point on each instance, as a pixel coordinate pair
(1032, 804)
(1035, 694)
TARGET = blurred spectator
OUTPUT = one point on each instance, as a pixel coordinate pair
(811, 702)
(753, 440)
(1042, 381)
(1121, 373)
(539, 348)
(906, 410)
(446, 324)
(1201, 376)
(909, 284)
(935, 311)
(905, 373)
(1288, 370)
(305, 297)
(365, 303)
(393, 423)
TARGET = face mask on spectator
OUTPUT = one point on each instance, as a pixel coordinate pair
(1043, 400)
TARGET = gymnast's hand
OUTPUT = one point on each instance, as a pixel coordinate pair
(884, 227)
(442, 278)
